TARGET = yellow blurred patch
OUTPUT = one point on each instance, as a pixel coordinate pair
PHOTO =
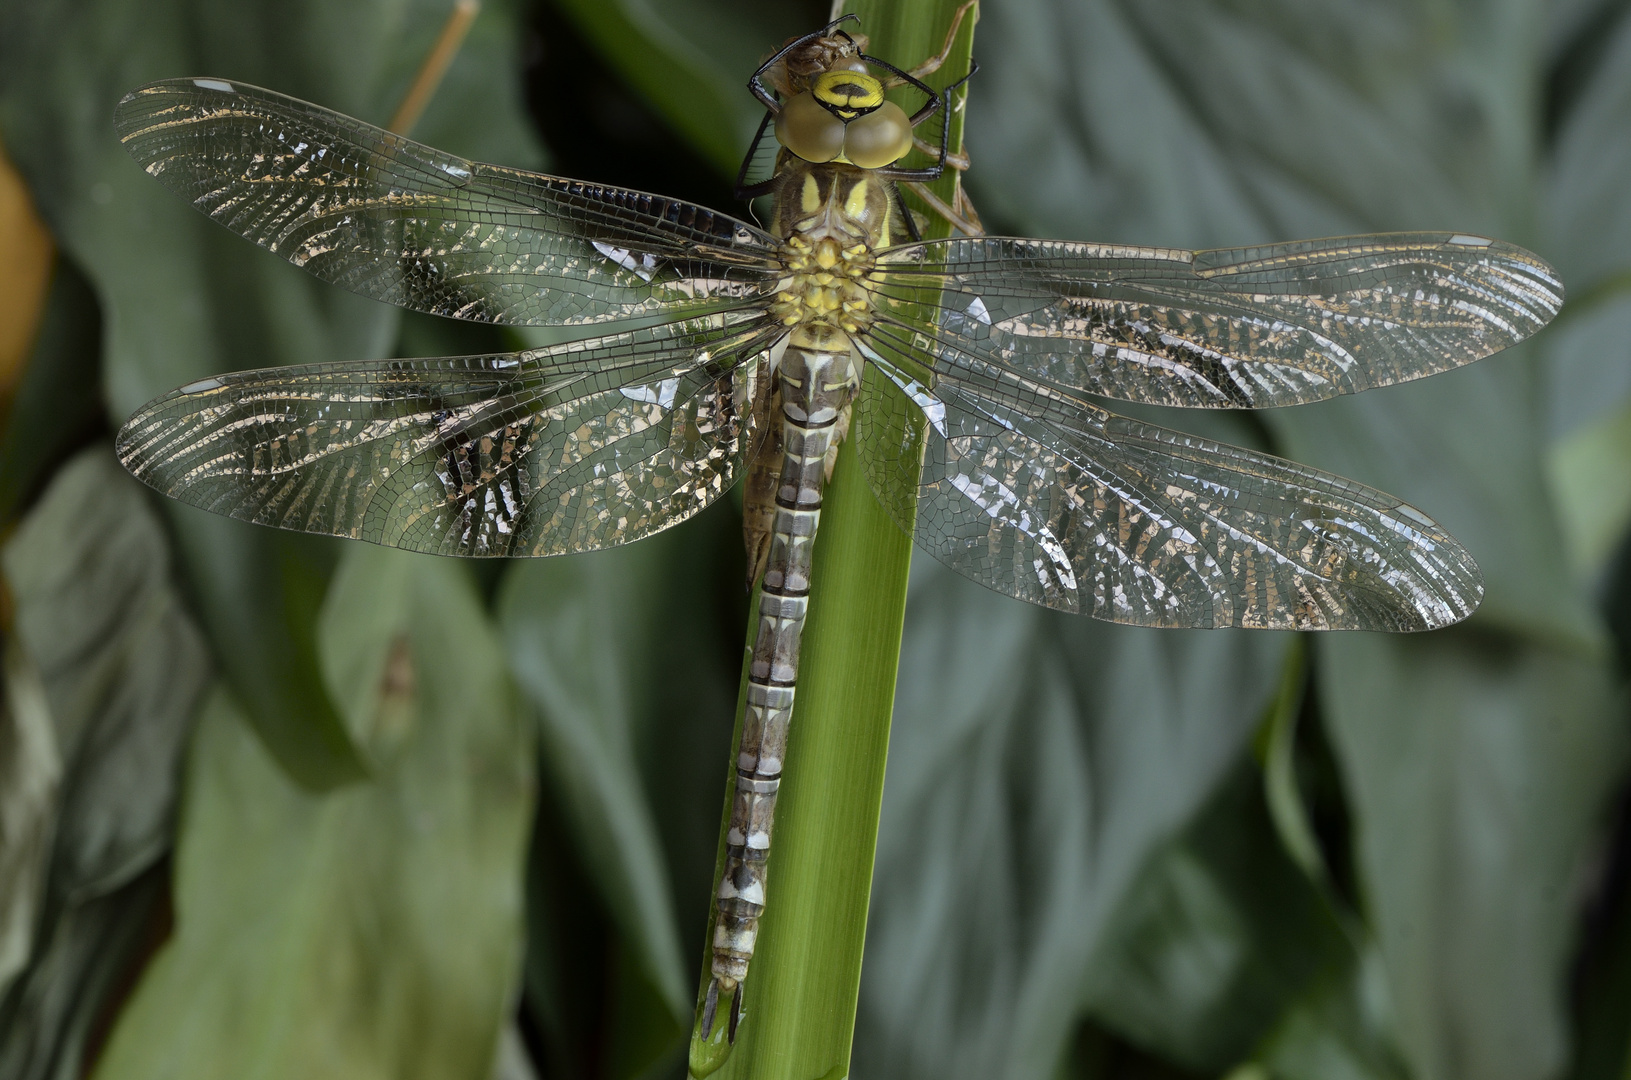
(25, 273)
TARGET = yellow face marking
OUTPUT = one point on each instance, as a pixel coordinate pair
(855, 202)
(810, 197)
(849, 92)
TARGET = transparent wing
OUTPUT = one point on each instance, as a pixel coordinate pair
(1053, 500)
(570, 448)
(1238, 327)
(398, 221)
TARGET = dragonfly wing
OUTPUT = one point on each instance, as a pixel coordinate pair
(569, 448)
(398, 221)
(1233, 328)
(1053, 500)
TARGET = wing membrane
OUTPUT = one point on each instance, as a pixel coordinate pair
(1053, 500)
(570, 448)
(1240, 327)
(401, 222)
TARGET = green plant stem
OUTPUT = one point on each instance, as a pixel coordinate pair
(802, 987)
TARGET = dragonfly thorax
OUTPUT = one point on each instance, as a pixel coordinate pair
(826, 286)
(833, 218)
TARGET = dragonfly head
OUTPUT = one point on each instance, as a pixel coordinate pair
(844, 117)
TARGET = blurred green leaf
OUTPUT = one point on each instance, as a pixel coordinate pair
(120, 662)
(30, 773)
(1588, 369)
(1219, 935)
(1339, 1029)
(1587, 217)
(1224, 938)
(258, 592)
(1602, 982)
(1590, 471)
(573, 630)
(1039, 763)
(512, 1062)
(1588, 222)
(185, 299)
(1476, 770)
(479, 111)
(373, 931)
(564, 968)
(629, 657)
(1219, 124)
(644, 1041)
(1277, 743)
(365, 653)
(106, 667)
(691, 60)
(54, 1017)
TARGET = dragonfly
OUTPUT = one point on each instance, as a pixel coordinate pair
(968, 371)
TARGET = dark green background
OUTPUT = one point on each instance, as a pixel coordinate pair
(1105, 852)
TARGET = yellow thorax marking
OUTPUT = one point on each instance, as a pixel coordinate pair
(810, 197)
(855, 202)
(848, 93)
(826, 286)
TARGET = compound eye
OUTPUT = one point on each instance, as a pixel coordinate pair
(851, 63)
(879, 138)
(809, 130)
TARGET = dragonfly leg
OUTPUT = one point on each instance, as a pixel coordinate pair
(764, 84)
(911, 221)
(932, 64)
(960, 212)
(959, 161)
(965, 208)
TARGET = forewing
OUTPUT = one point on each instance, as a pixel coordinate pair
(398, 221)
(1053, 500)
(1239, 327)
(570, 448)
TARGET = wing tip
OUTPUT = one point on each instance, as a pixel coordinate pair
(131, 111)
(127, 447)
(124, 441)
(1529, 272)
(133, 442)
(1540, 277)
(1450, 587)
